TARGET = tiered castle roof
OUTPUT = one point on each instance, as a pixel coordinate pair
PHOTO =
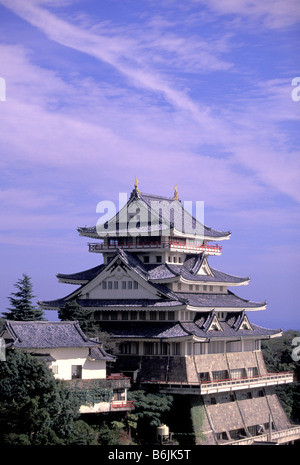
(157, 286)
(170, 216)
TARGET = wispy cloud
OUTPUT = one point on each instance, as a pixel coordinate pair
(69, 113)
(272, 14)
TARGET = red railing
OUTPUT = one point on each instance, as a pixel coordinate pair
(156, 245)
(125, 404)
(267, 377)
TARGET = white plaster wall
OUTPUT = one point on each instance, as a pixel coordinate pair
(99, 293)
(68, 356)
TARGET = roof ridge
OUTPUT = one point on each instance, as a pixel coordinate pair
(246, 300)
(229, 274)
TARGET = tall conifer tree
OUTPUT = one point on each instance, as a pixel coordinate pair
(22, 308)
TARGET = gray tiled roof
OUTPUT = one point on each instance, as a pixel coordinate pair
(46, 334)
(226, 300)
(160, 272)
(151, 274)
(166, 219)
(178, 216)
(199, 328)
(85, 275)
(187, 270)
(115, 303)
(155, 330)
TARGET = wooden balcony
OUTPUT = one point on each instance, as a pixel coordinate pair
(223, 385)
(171, 245)
(122, 405)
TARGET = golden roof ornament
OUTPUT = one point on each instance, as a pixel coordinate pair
(175, 193)
(136, 185)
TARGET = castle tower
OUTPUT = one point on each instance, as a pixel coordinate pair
(180, 328)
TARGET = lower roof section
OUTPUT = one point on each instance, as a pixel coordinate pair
(50, 335)
(114, 304)
(192, 301)
(223, 302)
(205, 326)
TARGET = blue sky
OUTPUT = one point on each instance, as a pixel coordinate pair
(195, 93)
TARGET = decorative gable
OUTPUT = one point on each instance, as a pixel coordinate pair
(242, 323)
(204, 269)
(214, 325)
(120, 279)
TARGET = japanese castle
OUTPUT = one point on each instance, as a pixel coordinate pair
(180, 327)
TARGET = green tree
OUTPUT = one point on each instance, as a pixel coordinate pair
(35, 408)
(22, 308)
(72, 311)
(149, 409)
(278, 357)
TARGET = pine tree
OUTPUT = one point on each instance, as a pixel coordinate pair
(22, 308)
(72, 311)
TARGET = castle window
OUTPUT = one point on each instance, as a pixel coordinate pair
(133, 315)
(220, 375)
(238, 373)
(126, 348)
(234, 346)
(148, 348)
(205, 287)
(213, 401)
(129, 284)
(146, 259)
(175, 259)
(175, 348)
(211, 288)
(109, 284)
(171, 315)
(197, 287)
(221, 288)
(179, 259)
(124, 315)
(199, 348)
(152, 315)
(114, 316)
(135, 285)
(76, 371)
(54, 369)
(216, 347)
(142, 315)
(204, 376)
(179, 286)
(252, 371)
(190, 287)
(116, 284)
(249, 345)
(162, 315)
(237, 433)
(104, 285)
(123, 284)
(158, 259)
